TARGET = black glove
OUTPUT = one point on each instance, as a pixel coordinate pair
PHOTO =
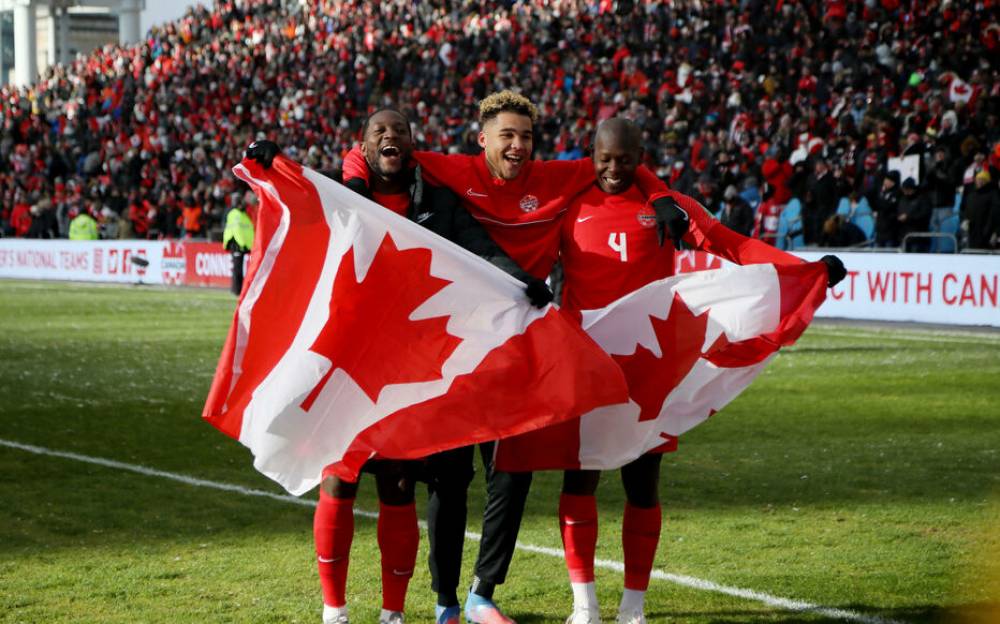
(835, 270)
(263, 152)
(670, 219)
(538, 293)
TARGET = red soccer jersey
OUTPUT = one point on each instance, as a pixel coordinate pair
(610, 247)
(521, 215)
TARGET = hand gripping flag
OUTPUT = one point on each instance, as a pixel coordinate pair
(688, 345)
(359, 332)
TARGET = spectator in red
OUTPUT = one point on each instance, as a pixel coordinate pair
(20, 216)
(777, 174)
(766, 220)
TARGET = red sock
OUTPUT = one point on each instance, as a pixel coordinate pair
(640, 536)
(398, 539)
(333, 530)
(578, 525)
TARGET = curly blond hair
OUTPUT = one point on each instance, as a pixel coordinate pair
(506, 101)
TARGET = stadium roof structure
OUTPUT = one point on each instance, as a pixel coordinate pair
(26, 31)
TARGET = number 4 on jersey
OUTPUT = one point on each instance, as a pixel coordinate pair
(618, 242)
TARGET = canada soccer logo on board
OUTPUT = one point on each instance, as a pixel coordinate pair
(529, 203)
(646, 217)
(174, 263)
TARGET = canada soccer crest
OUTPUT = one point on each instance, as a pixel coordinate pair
(174, 263)
(646, 217)
(529, 203)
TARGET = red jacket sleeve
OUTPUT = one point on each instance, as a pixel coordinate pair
(355, 165)
(443, 169)
(707, 234)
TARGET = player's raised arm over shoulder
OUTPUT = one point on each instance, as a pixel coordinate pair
(706, 233)
(453, 171)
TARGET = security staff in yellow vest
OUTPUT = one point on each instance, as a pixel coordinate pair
(238, 239)
(83, 227)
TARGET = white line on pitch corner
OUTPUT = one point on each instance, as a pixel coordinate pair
(617, 566)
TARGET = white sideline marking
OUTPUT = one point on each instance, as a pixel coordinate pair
(617, 566)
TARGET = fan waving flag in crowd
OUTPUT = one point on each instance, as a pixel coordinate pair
(360, 333)
(688, 345)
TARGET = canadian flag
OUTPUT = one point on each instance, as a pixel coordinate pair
(960, 92)
(359, 332)
(688, 345)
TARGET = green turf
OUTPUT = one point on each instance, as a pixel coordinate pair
(859, 472)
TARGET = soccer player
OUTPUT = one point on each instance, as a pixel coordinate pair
(386, 144)
(612, 244)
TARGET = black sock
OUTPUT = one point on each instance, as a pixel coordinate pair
(482, 588)
(448, 599)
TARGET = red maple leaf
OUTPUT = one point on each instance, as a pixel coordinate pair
(369, 333)
(650, 378)
(726, 354)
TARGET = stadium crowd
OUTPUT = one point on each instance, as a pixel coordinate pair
(780, 116)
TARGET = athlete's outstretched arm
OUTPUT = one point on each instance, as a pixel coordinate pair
(708, 234)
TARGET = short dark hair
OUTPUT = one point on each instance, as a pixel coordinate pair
(390, 109)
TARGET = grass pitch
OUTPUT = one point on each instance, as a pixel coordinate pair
(859, 473)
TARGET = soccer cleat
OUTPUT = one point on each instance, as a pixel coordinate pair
(479, 610)
(448, 615)
(335, 616)
(584, 616)
(393, 617)
(636, 617)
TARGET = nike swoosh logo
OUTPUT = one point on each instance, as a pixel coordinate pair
(472, 193)
(325, 560)
(402, 572)
(423, 216)
(582, 219)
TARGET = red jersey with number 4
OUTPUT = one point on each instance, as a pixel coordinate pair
(610, 247)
